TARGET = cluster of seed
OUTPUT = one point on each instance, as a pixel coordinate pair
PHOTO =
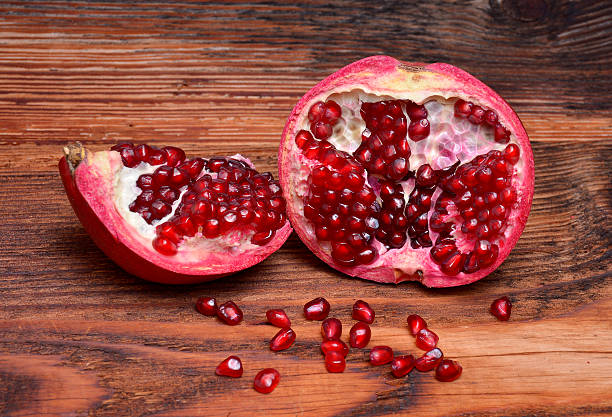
(393, 222)
(477, 115)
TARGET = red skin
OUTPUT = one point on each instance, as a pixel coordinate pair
(387, 76)
(134, 257)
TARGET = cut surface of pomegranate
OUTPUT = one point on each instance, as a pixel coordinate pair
(501, 308)
(170, 219)
(231, 366)
(396, 171)
(266, 380)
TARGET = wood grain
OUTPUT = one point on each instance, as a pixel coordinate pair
(78, 336)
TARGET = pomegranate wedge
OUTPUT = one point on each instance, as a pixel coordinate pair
(399, 171)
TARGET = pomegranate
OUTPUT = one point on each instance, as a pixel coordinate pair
(335, 362)
(334, 346)
(266, 380)
(380, 355)
(429, 360)
(207, 306)
(230, 313)
(277, 317)
(359, 335)
(331, 329)
(402, 365)
(501, 308)
(448, 371)
(174, 220)
(363, 312)
(426, 339)
(416, 323)
(231, 366)
(282, 340)
(316, 309)
(396, 171)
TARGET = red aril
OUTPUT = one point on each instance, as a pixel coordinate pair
(174, 220)
(426, 339)
(231, 366)
(415, 324)
(230, 313)
(448, 371)
(402, 365)
(501, 308)
(266, 380)
(334, 346)
(316, 309)
(206, 306)
(335, 362)
(360, 335)
(429, 360)
(380, 355)
(363, 312)
(331, 329)
(277, 317)
(424, 173)
(282, 340)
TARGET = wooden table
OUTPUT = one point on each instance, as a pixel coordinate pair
(78, 336)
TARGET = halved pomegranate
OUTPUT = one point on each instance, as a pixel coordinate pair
(174, 220)
(400, 171)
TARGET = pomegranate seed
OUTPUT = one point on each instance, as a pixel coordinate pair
(418, 130)
(266, 380)
(512, 153)
(164, 246)
(120, 146)
(316, 111)
(380, 355)
(156, 157)
(207, 306)
(282, 340)
(463, 108)
(360, 335)
(501, 308)
(231, 366)
(229, 313)
(278, 318)
(426, 339)
(501, 134)
(490, 117)
(334, 346)
(477, 115)
(334, 362)
(331, 329)
(174, 156)
(415, 324)
(429, 360)
(363, 312)
(402, 365)
(316, 309)
(332, 112)
(448, 371)
(128, 157)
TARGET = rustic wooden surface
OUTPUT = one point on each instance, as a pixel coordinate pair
(78, 336)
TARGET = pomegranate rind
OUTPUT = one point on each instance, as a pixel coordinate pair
(90, 192)
(386, 76)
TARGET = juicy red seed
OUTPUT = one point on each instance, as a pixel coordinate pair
(164, 246)
(332, 112)
(303, 138)
(128, 157)
(380, 355)
(168, 194)
(316, 111)
(490, 117)
(316, 309)
(453, 264)
(343, 253)
(448, 371)
(512, 153)
(418, 130)
(174, 155)
(145, 182)
(429, 360)
(360, 335)
(156, 157)
(192, 167)
(402, 365)
(335, 362)
(501, 134)
(321, 130)
(120, 146)
(501, 308)
(426, 177)
(331, 329)
(507, 196)
(363, 312)
(282, 340)
(207, 306)
(230, 313)
(463, 108)
(231, 366)
(334, 346)
(477, 115)
(278, 318)
(266, 380)
(416, 323)
(169, 231)
(426, 339)
(415, 111)
(263, 238)
(142, 152)
(162, 175)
